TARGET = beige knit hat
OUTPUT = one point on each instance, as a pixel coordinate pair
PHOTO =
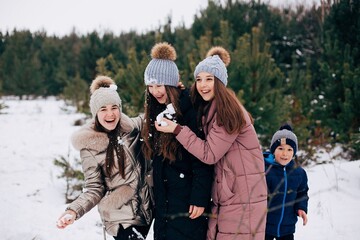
(103, 92)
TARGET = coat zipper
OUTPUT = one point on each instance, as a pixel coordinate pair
(283, 203)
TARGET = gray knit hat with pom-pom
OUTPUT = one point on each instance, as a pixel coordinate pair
(103, 92)
(284, 135)
(162, 68)
(215, 63)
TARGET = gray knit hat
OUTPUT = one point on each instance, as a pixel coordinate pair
(284, 135)
(215, 63)
(103, 92)
(162, 68)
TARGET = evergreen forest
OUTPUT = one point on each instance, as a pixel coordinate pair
(297, 64)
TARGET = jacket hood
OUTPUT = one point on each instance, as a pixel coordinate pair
(269, 158)
(87, 137)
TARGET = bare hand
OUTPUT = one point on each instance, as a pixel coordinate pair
(166, 129)
(195, 211)
(67, 218)
(303, 215)
(181, 85)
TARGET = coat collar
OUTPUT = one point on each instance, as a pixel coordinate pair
(211, 113)
(87, 137)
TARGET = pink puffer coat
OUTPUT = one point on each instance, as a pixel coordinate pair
(239, 189)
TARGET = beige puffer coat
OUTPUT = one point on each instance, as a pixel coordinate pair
(120, 201)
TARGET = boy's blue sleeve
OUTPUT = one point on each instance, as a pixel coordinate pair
(302, 197)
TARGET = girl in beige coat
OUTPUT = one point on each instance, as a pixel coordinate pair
(113, 167)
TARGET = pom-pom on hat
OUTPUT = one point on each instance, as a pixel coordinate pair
(103, 92)
(162, 68)
(215, 63)
(284, 135)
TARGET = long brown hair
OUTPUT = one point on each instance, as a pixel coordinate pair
(113, 146)
(230, 113)
(155, 142)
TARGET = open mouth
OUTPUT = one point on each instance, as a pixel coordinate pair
(110, 120)
(206, 92)
(159, 97)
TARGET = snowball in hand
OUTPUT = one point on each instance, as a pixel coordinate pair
(168, 113)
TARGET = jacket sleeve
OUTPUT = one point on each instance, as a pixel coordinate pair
(302, 194)
(201, 183)
(210, 150)
(129, 124)
(94, 188)
(202, 173)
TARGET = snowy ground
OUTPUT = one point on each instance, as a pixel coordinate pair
(34, 133)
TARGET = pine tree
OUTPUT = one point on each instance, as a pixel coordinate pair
(129, 78)
(339, 74)
(75, 91)
(21, 66)
(259, 84)
(298, 88)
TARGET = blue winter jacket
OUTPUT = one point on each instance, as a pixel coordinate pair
(287, 193)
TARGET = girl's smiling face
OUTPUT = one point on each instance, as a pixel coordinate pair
(158, 92)
(205, 85)
(109, 116)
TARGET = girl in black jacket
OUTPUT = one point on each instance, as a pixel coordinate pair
(182, 184)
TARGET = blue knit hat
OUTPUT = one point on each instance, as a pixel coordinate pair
(215, 63)
(284, 135)
(162, 68)
(103, 92)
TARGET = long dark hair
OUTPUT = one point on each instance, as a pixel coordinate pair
(155, 142)
(230, 111)
(113, 146)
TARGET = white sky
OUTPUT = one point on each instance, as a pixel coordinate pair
(34, 133)
(60, 17)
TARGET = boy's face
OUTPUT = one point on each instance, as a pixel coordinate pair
(283, 154)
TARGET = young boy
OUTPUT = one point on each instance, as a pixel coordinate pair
(287, 186)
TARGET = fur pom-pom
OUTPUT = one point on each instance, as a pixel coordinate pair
(286, 126)
(163, 51)
(221, 52)
(100, 81)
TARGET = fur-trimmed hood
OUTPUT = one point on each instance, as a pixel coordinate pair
(87, 137)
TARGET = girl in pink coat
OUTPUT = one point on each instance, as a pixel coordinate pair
(239, 189)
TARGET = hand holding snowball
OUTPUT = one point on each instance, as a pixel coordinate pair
(167, 113)
(67, 218)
